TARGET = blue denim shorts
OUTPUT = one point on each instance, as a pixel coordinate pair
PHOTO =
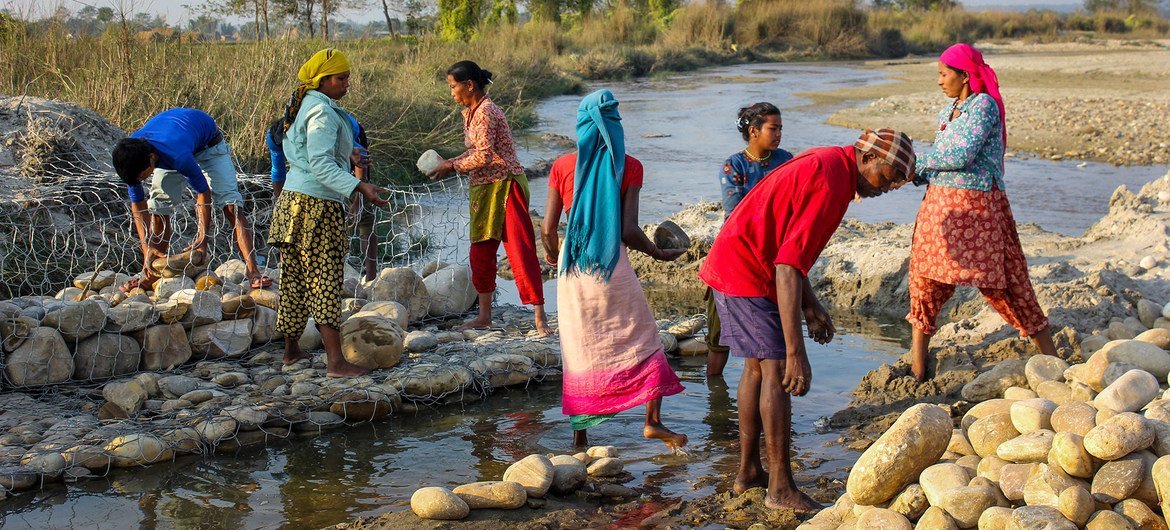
(750, 326)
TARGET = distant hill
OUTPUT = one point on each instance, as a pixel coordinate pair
(1005, 5)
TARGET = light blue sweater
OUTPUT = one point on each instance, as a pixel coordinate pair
(318, 146)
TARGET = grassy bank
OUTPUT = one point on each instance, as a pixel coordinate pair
(399, 93)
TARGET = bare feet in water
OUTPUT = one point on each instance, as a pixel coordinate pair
(478, 323)
(757, 478)
(672, 439)
(792, 499)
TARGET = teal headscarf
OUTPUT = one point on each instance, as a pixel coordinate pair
(594, 233)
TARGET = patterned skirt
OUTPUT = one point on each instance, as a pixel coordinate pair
(312, 237)
(965, 237)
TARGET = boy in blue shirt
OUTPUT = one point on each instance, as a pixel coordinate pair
(176, 145)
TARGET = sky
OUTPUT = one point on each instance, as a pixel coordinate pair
(175, 10)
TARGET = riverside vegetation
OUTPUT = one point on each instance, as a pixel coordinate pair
(399, 94)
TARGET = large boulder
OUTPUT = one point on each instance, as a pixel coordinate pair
(205, 308)
(130, 317)
(432, 380)
(370, 340)
(402, 285)
(264, 326)
(438, 503)
(237, 306)
(534, 472)
(916, 440)
(391, 310)
(1129, 393)
(1118, 436)
(14, 331)
(76, 320)
(450, 291)
(43, 358)
(105, 355)
(229, 338)
(1148, 357)
(164, 347)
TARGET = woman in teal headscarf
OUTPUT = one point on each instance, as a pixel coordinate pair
(613, 359)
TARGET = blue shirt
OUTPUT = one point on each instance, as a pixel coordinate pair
(176, 135)
(318, 146)
(280, 162)
(968, 150)
(740, 174)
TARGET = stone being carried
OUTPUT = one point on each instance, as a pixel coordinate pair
(758, 269)
(174, 145)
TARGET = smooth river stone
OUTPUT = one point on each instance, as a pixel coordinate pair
(992, 383)
(1076, 417)
(1013, 478)
(910, 502)
(534, 472)
(1091, 344)
(934, 518)
(1148, 310)
(1139, 513)
(1031, 447)
(987, 433)
(492, 494)
(1141, 354)
(1055, 391)
(569, 474)
(450, 291)
(965, 504)
(970, 463)
(938, 479)
(371, 340)
(984, 409)
(138, 449)
(990, 467)
(1068, 452)
(885, 519)
(1044, 517)
(42, 359)
(130, 317)
(1019, 392)
(105, 355)
(995, 518)
(1109, 520)
(1161, 475)
(1044, 486)
(1032, 414)
(438, 503)
(76, 320)
(1076, 504)
(1159, 337)
(604, 467)
(1119, 436)
(1129, 393)
(402, 285)
(959, 443)
(1117, 480)
(915, 441)
(1040, 368)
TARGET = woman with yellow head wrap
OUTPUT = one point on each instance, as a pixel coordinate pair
(308, 224)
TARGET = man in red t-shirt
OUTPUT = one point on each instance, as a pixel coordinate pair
(758, 269)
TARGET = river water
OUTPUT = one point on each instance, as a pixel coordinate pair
(681, 127)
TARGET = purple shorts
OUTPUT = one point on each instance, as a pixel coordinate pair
(751, 327)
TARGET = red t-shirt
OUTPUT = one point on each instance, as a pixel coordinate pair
(560, 177)
(787, 218)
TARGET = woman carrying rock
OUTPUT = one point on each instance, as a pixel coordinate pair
(308, 222)
(761, 126)
(499, 196)
(613, 358)
(965, 233)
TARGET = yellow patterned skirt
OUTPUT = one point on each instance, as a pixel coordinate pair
(313, 241)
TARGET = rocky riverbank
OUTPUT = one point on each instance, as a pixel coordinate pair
(1093, 100)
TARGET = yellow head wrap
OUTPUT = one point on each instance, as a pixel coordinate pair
(326, 62)
(329, 61)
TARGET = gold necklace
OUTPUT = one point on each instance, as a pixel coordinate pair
(754, 158)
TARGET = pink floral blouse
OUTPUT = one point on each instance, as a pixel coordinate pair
(491, 154)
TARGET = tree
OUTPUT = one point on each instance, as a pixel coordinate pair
(458, 18)
(234, 8)
(503, 12)
(1141, 7)
(546, 10)
(386, 13)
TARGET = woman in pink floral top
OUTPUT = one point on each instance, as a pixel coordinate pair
(965, 233)
(499, 196)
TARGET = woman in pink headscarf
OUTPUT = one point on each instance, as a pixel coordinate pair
(965, 233)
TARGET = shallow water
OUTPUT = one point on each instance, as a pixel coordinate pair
(373, 468)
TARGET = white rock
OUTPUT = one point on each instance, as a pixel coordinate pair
(1042, 368)
(450, 291)
(438, 503)
(404, 286)
(1129, 393)
(392, 310)
(1148, 262)
(1118, 436)
(232, 271)
(569, 474)
(130, 317)
(534, 472)
(164, 288)
(605, 467)
(264, 326)
(420, 341)
(1143, 355)
(229, 338)
(492, 494)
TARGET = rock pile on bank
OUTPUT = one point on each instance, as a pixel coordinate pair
(595, 473)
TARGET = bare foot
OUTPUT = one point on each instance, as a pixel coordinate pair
(758, 478)
(792, 499)
(580, 438)
(543, 329)
(294, 358)
(478, 323)
(346, 369)
(672, 439)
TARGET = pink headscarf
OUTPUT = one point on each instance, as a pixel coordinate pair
(982, 78)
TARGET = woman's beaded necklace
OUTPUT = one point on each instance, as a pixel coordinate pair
(761, 160)
(951, 116)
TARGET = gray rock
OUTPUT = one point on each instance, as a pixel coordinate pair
(106, 355)
(404, 286)
(420, 341)
(229, 338)
(992, 383)
(76, 320)
(450, 291)
(166, 287)
(569, 474)
(264, 326)
(129, 317)
(1148, 312)
(14, 331)
(176, 385)
(128, 395)
(42, 359)
(164, 347)
(534, 472)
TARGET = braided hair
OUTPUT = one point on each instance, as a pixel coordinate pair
(754, 116)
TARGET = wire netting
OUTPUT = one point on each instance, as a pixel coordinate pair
(95, 379)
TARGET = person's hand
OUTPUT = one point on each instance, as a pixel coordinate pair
(668, 254)
(200, 243)
(360, 157)
(372, 193)
(820, 324)
(444, 169)
(797, 373)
